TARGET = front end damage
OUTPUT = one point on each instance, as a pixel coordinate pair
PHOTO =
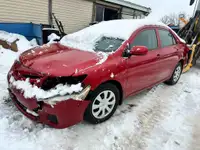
(56, 101)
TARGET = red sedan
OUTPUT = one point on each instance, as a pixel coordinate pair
(89, 73)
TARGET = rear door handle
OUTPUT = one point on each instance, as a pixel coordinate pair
(158, 55)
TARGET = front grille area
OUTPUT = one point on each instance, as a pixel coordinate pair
(53, 119)
(30, 76)
(15, 100)
(22, 106)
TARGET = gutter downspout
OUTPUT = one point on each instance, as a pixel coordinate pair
(50, 19)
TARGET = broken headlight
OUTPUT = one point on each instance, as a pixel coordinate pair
(51, 82)
(78, 96)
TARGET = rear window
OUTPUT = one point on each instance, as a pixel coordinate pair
(167, 39)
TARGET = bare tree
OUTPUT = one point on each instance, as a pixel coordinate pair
(173, 18)
(165, 19)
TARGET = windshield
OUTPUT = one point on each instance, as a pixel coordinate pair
(100, 37)
(108, 44)
(102, 43)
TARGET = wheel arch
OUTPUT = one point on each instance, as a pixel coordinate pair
(182, 62)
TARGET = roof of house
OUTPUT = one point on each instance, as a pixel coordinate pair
(130, 5)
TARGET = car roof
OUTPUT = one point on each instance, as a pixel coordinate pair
(122, 28)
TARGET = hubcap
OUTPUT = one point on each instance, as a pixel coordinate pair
(177, 73)
(103, 104)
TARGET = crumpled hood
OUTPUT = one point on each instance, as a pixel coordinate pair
(58, 60)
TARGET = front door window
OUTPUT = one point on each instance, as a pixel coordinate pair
(146, 38)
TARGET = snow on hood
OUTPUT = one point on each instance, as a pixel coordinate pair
(32, 91)
(22, 44)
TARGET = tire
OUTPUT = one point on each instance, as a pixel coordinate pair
(98, 105)
(176, 74)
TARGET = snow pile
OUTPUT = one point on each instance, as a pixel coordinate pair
(7, 56)
(33, 42)
(53, 37)
(22, 43)
(32, 91)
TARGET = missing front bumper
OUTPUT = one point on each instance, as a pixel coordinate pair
(66, 113)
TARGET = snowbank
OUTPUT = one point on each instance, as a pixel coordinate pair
(32, 91)
(22, 43)
(7, 56)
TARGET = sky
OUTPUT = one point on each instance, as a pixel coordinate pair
(164, 7)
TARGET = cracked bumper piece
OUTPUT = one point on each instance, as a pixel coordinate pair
(61, 115)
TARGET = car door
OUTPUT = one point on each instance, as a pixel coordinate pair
(169, 52)
(142, 71)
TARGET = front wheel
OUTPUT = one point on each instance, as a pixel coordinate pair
(104, 102)
(176, 75)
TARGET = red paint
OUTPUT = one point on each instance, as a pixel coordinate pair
(134, 73)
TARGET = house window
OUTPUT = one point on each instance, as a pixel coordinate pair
(104, 13)
(99, 13)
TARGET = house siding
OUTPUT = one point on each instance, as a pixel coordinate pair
(74, 14)
(35, 11)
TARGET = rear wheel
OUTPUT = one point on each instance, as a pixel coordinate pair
(176, 74)
(105, 100)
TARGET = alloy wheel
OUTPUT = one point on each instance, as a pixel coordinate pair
(177, 73)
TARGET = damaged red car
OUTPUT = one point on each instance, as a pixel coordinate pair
(87, 74)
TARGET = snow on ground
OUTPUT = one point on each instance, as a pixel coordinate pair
(163, 118)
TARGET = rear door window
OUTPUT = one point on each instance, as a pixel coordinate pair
(167, 39)
(146, 38)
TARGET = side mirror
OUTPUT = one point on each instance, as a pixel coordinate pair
(139, 50)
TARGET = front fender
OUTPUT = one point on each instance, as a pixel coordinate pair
(107, 72)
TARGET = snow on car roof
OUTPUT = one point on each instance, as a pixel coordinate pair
(86, 38)
(122, 28)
